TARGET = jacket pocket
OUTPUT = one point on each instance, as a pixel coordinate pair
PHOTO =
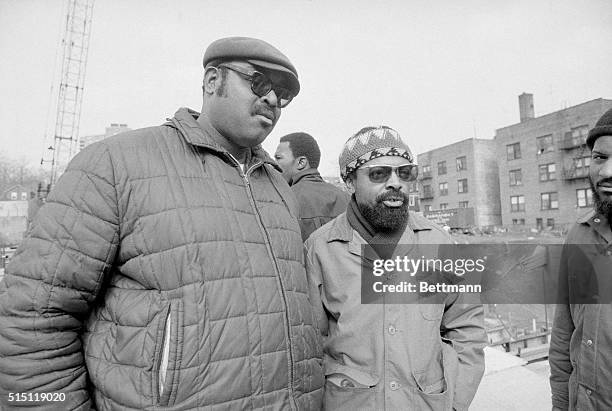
(436, 385)
(347, 388)
(432, 312)
(169, 352)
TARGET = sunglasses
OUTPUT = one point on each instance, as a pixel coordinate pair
(261, 85)
(380, 173)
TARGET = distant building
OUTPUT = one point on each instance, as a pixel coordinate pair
(461, 175)
(114, 128)
(13, 221)
(16, 193)
(544, 165)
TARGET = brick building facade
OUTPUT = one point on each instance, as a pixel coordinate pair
(544, 164)
(461, 175)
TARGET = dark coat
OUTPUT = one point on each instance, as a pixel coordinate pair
(319, 202)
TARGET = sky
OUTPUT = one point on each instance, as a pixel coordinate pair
(436, 71)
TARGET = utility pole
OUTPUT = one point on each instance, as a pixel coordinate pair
(75, 45)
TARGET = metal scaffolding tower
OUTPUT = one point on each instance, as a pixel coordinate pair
(75, 44)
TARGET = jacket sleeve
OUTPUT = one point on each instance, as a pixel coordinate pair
(52, 281)
(463, 326)
(559, 352)
(315, 288)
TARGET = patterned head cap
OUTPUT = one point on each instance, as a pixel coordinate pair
(370, 143)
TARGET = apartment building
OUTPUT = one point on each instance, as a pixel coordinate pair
(462, 175)
(544, 165)
(114, 128)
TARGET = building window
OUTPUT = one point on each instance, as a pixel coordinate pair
(547, 171)
(518, 221)
(549, 201)
(443, 206)
(517, 203)
(443, 189)
(428, 207)
(516, 177)
(427, 192)
(579, 134)
(462, 186)
(464, 204)
(582, 166)
(513, 151)
(544, 144)
(426, 171)
(441, 168)
(24, 195)
(412, 187)
(13, 195)
(461, 163)
(584, 197)
(539, 224)
(550, 222)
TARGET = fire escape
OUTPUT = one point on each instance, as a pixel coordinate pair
(575, 146)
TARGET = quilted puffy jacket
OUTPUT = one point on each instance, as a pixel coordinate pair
(159, 276)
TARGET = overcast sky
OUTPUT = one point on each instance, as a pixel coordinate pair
(436, 71)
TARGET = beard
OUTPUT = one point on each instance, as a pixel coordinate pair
(383, 218)
(602, 204)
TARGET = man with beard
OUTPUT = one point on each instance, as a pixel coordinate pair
(387, 356)
(581, 343)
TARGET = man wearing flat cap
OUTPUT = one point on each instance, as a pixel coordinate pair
(165, 270)
(387, 354)
(581, 342)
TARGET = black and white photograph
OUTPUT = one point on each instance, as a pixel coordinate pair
(306, 205)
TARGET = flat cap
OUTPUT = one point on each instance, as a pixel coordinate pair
(255, 51)
(603, 127)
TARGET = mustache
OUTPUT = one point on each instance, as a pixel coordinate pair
(392, 194)
(266, 111)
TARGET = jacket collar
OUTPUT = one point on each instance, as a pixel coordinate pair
(310, 174)
(200, 134)
(341, 230)
(599, 223)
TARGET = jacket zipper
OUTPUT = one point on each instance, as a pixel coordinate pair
(268, 246)
(163, 365)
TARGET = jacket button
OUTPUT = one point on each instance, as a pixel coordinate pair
(392, 330)
(346, 383)
(589, 343)
(589, 392)
(394, 385)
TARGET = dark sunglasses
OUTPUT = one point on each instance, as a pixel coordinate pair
(261, 85)
(380, 173)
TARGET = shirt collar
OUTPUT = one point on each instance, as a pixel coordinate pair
(341, 230)
(599, 223)
(198, 131)
(310, 172)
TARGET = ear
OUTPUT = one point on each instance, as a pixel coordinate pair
(350, 185)
(211, 75)
(302, 163)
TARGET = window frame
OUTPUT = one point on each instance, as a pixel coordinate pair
(516, 151)
(520, 205)
(550, 200)
(514, 172)
(550, 176)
